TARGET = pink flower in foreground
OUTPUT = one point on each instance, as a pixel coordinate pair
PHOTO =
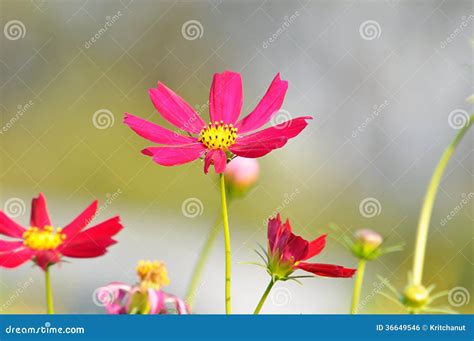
(46, 245)
(146, 297)
(288, 252)
(225, 135)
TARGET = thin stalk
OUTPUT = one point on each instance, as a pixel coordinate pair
(358, 286)
(202, 260)
(427, 208)
(225, 220)
(49, 292)
(264, 297)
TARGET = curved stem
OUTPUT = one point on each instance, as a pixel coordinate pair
(264, 297)
(202, 260)
(426, 210)
(225, 220)
(358, 286)
(49, 292)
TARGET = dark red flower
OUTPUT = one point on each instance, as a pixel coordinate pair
(46, 245)
(288, 252)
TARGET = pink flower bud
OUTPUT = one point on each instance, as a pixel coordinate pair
(240, 174)
(368, 237)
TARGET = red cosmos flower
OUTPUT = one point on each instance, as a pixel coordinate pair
(225, 135)
(287, 253)
(46, 245)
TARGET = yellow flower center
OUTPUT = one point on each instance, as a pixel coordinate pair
(47, 238)
(152, 274)
(218, 135)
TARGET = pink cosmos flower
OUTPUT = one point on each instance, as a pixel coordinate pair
(225, 135)
(46, 245)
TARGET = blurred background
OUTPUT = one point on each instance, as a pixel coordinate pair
(386, 81)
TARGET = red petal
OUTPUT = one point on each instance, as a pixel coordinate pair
(46, 258)
(316, 246)
(259, 148)
(9, 245)
(296, 248)
(81, 221)
(273, 228)
(99, 235)
(175, 110)
(327, 270)
(39, 212)
(266, 108)
(225, 100)
(15, 258)
(90, 250)
(155, 133)
(172, 156)
(9, 228)
(218, 158)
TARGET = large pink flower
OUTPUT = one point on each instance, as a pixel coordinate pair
(225, 135)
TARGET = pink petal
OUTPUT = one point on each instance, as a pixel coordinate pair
(315, 247)
(81, 221)
(9, 245)
(156, 299)
(39, 212)
(288, 129)
(327, 270)
(175, 110)
(266, 108)
(171, 156)
(15, 258)
(155, 133)
(257, 148)
(99, 235)
(9, 228)
(216, 157)
(225, 100)
(45, 258)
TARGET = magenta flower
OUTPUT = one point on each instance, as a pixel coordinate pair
(225, 135)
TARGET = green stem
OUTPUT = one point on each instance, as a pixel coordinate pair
(49, 292)
(202, 260)
(358, 286)
(264, 297)
(225, 220)
(426, 210)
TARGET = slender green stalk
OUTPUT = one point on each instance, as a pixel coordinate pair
(426, 210)
(264, 297)
(358, 286)
(49, 292)
(225, 220)
(202, 260)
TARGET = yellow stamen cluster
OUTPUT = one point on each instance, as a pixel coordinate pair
(152, 274)
(43, 239)
(218, 135)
